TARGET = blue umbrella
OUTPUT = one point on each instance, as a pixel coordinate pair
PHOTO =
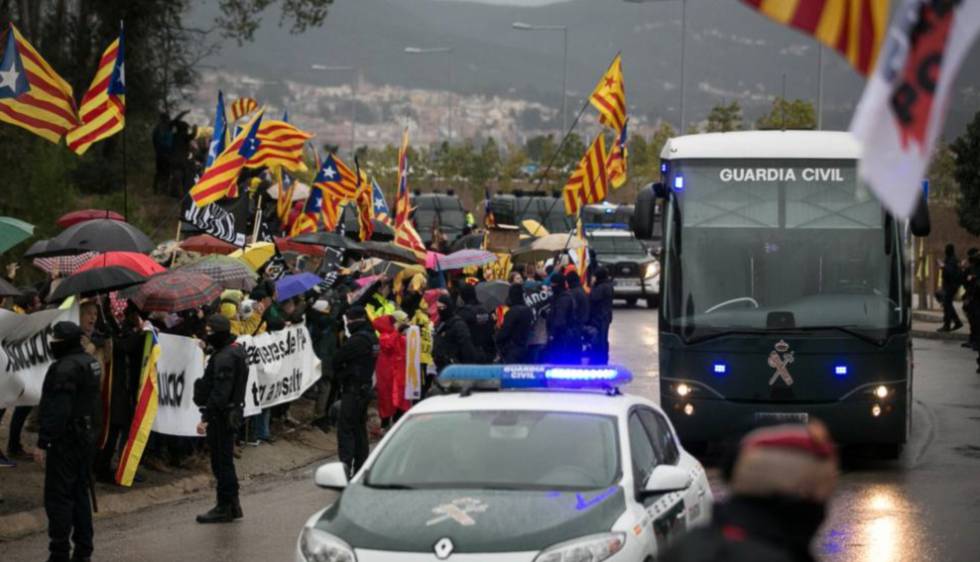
(292, 285)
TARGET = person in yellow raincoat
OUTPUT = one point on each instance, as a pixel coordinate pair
(418, 314)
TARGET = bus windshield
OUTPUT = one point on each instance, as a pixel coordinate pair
(759, 245)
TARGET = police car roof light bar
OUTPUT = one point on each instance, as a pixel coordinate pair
(597, 377)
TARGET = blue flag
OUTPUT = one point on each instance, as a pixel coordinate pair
(220, 131)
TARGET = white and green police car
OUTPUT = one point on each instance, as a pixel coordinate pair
(556, 466)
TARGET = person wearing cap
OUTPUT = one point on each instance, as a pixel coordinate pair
(353, 367)
(66, 443)
(780, 483)
(220, 394)
(564, 342)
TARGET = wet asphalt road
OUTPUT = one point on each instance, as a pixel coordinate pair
(924, 506)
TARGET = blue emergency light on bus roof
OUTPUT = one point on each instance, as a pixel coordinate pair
(663, 167)
(678, 183)
(719, 369)
(840, 370)
(540, 376)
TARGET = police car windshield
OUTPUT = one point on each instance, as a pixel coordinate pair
(521, 450)
(622, 245)
(803, 239)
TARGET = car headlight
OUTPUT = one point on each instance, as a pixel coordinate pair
(652, 270)
(593, 548)
(319, 546)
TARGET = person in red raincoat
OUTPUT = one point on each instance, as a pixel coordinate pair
(390, 369)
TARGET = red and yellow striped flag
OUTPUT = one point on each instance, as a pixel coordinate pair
(609, 96)
(32, 95)
(855, 28)
(365, 206)
(336, 179)
(221, 178)
(103, 111)
(280, 144)
(589, 182)
(143, 416)
(242, 107)
(616, 165)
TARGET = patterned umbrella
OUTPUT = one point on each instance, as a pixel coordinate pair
(95, 281)
(207, 244)
(230, 273)
(13, 231)
(466, 258)
(65, 265)
(140, 263)
(175, 291)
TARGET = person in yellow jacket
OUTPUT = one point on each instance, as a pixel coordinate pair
(241, 324)
(379, 303)
(418, 315)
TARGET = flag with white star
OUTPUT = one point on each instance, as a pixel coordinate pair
(336, 179)
(103, 109)
(381, 211)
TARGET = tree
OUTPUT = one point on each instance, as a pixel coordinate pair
(638, 151)
(785, 114)
(966, 150)
(723, 118)
(240, 19)
(540, 148)
(571, 153)
(942, 181)
(511, 167)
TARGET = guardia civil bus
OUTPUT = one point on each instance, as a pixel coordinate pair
(784, 289)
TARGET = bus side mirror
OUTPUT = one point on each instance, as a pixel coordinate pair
(919, 222)
(660, 190)
(644, 212)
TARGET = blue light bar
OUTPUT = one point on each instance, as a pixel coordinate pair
(840, 370)
(679, 183)
(540, 376)
(720, 368)
(663, 167)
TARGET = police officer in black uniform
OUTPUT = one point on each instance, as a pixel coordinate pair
(220, 394)
(353, 368)
(66, 442)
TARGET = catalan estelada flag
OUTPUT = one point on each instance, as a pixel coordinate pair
(242, 107)
(402, 206)
(309, 219)
(609, 96)
(365, 205)
(616, 165)
(221, 178)
(103, 110)
(336, 179)
(32, 95)
(381, 211)
(589, 182)
(219, 136)
(281, 145)
(143, 416)
(855, 28)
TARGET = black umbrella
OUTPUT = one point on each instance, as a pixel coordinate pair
(94, 281)
(37, 249)
(387, 251)
(383, 232)
(472, 241)
(8, 290)
(99, 235)
(492, 294)
(328, 239)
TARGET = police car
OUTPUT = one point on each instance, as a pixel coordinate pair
(556, 466)
(635, 273)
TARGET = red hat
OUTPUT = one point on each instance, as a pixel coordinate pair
(786, 460)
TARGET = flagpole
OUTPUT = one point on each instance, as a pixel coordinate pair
(257, 220)
(564, 139)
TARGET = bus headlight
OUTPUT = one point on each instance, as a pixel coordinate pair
(881, 391)
(876, 410)
(682, 390)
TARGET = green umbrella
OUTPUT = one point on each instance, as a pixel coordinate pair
(13, 231)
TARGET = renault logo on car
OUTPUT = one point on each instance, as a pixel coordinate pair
(443, 548)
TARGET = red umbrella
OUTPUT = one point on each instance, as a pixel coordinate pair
(83, 215)
(290, 245)
(207, 244)
(174, 291)
(140, 263)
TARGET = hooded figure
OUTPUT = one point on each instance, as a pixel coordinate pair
(516, 329)
(478, 320)
(600, 316)
(564, 342)
(453, 342)
(780, 483)
(390, 369)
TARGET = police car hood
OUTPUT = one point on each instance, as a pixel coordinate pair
(475, 520)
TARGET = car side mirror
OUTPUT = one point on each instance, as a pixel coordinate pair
(666, 479)
(919, 223)
(331, 476)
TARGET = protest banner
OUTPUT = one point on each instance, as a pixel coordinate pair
(180, 365)
(25, 355)
(413, 363)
